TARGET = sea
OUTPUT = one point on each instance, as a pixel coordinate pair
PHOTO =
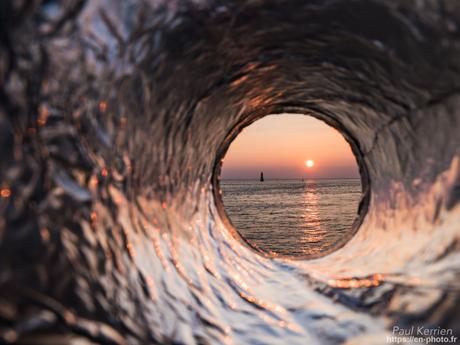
(292, 217)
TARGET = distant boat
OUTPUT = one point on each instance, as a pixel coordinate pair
(261, 177)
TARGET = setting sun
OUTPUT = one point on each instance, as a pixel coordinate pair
(281, 146)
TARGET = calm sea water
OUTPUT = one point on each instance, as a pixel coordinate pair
(292, 217)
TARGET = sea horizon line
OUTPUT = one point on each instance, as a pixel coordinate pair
(293, 178)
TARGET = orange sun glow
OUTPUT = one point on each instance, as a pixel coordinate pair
(310, 163)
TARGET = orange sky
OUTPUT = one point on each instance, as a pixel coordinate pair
(279, 145)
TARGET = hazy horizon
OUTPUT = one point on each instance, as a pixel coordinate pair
(279, 145)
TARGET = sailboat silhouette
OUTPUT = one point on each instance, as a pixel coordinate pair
(262, 177)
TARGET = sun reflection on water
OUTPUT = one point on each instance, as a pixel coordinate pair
(313, 231)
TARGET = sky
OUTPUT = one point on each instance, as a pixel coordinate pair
(279, 145)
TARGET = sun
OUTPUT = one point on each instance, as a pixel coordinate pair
(309, 163)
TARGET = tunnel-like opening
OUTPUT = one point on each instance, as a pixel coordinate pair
(332, 122)
(117, 116)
